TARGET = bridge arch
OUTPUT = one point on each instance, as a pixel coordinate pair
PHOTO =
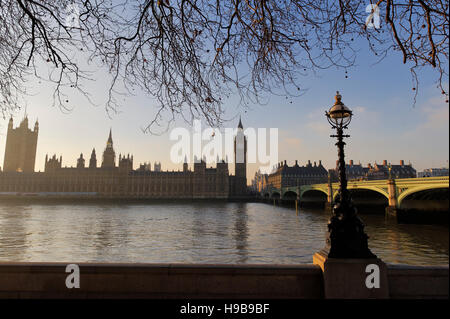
(313, 189)
(314, 195)
(370, 188)
(275, 195)
(413, 190)
(290, 194)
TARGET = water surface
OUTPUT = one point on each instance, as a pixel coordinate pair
(196, 232)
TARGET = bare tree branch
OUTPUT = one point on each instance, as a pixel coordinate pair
(190, 55)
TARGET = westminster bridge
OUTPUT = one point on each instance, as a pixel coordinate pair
(394, 195)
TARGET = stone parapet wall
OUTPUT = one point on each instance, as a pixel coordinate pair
(47, 280)
(165, 281)
(420, 282)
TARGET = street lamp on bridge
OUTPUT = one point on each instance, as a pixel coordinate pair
(346, 236)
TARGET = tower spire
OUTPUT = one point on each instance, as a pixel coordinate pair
(240, 123)
(110, 136)
(109, 143)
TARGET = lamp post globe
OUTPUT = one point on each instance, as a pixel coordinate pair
(339, 115)
(346, 236)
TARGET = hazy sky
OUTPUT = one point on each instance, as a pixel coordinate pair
(385, 125)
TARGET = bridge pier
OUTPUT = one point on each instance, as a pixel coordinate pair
(391, 211)
(297, 203)
(329, 202)
(392, 191)
(330, 193)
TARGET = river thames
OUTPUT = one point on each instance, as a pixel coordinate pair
(197, 232)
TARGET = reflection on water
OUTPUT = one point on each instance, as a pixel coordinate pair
(196, 232)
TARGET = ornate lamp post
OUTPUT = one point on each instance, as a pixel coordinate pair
(346, 238)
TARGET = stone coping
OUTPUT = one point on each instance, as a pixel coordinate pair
(163, 269)
(134, 266)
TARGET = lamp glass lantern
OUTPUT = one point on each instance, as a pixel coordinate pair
(339, 115)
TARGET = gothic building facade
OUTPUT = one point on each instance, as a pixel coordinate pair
(122, 181)
(20, 149)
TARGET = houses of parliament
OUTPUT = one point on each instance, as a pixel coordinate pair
(105, 179)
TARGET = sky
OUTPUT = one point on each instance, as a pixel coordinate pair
(386, 124)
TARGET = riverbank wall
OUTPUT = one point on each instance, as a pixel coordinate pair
(190, 281)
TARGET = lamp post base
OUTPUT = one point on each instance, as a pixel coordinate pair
(347, 238)
(353, 278)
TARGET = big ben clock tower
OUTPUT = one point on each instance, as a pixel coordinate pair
(240, 160)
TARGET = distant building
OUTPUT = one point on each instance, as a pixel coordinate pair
(259, 182)
(433, 172)
(375, 171)
(114, 179)
(20, 150)
(288, 176)
(353, 171)
(386, 171)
